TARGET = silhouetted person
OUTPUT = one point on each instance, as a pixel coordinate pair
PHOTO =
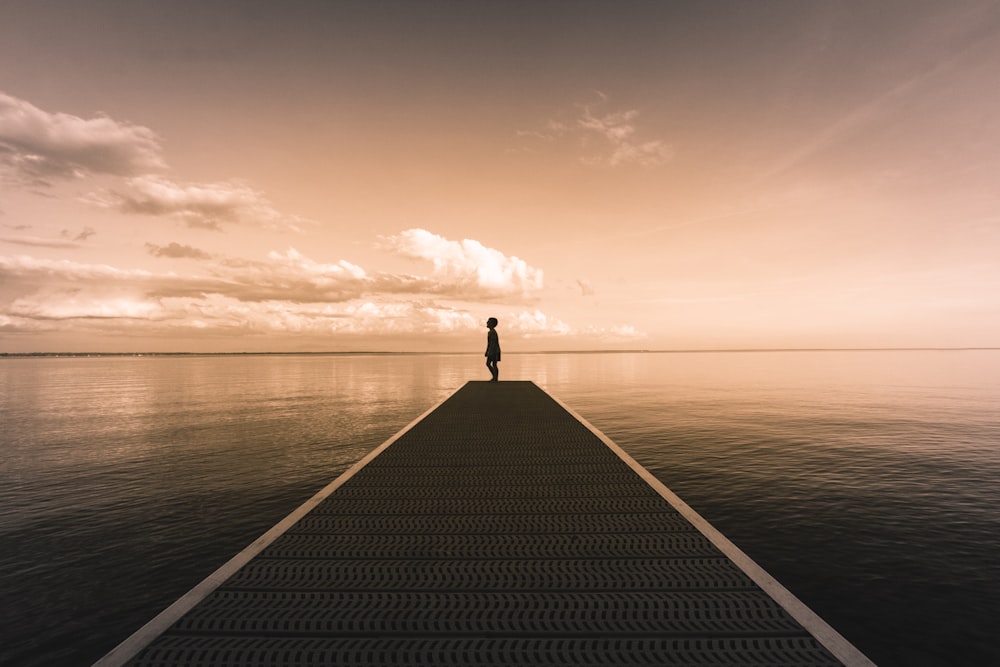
(493, 349)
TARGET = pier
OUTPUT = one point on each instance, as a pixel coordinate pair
(499, 528)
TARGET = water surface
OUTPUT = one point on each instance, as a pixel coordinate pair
(863, 481)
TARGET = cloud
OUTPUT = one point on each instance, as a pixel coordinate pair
(281, 276)
(34, 291)
(536, 323)
(284, 292)
(199, 205)
(217, 314)
(71, 304)
(956, 44)
(616, 333)
(66, 238)
(613, 134)
(27, 267)
(176, 250)
(467, 268)
(617, 128)
(39, 242)
(288, 276)
(287, 293)
(82, 236)
(403, 317)
(37, 146)
(291, 276)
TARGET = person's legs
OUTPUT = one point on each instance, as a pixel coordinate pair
(494, 371)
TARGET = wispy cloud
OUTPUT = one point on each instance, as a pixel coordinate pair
(41, 242)
(21, 267)
(79, 237)
(66, 239)
(957, 38)
(618, 333)
(37, 147)
(176, 250)
(199, 205)
(607, 138)
(618, 130)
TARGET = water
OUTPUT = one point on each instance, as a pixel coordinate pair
(863, 481)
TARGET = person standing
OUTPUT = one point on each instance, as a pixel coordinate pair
(493, 349)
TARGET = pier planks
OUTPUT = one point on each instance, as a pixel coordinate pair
(498, 529)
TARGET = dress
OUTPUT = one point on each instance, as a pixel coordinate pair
(493, 345)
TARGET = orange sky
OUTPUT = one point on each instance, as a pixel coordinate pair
(261, 176)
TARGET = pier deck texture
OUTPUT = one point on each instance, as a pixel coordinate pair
(499, 529)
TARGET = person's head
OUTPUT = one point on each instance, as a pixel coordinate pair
(492, 322)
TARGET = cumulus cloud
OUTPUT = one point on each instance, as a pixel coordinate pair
(200, 205)
(320, 271)
(609, 138)
(535, 323)
(114, 311)
(287, 293)
(283, 292)
(291, 276)
(37, 146)
(224, 314)
(467, 268)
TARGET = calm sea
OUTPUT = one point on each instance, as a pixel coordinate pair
(866, 482)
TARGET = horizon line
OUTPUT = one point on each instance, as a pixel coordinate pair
(429, 352)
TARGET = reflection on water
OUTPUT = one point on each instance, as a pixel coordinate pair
(128, 479)
(863, 481)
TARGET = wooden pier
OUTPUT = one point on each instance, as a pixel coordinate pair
(499, 528)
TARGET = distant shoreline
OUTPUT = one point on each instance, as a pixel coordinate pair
(28, 355)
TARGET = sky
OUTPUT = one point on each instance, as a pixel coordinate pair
(253, 176)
